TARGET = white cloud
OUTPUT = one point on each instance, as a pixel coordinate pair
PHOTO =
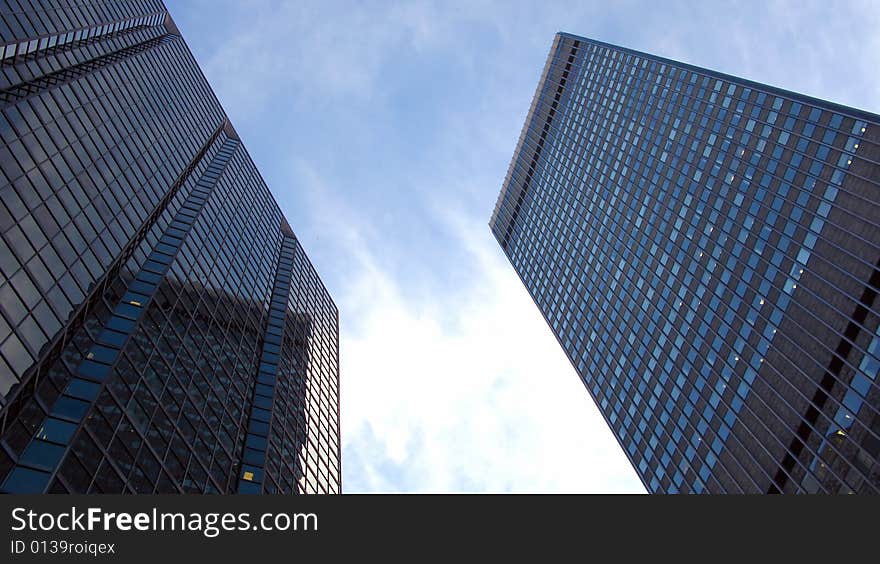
(467, 391)
(488, 403)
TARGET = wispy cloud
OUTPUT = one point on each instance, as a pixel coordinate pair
(467, 391)
(474, 398)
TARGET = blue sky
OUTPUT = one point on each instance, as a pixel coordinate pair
(384, 129)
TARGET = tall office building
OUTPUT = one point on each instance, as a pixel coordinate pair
(706, 251)
(162, 329)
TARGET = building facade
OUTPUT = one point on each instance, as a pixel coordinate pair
(706, 251)
(162, 329)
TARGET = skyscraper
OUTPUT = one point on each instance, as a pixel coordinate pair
(706, 251)
(162, 329)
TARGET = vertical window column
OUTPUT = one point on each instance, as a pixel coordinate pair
(252, 475)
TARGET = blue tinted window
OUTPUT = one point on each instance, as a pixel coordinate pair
(26, 481)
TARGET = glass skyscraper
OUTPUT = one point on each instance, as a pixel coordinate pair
(706, 251)
(162, 329)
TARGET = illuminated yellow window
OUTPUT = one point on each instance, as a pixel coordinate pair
(249, 476)
(134, 303)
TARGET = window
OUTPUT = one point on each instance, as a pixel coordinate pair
(26, 481)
